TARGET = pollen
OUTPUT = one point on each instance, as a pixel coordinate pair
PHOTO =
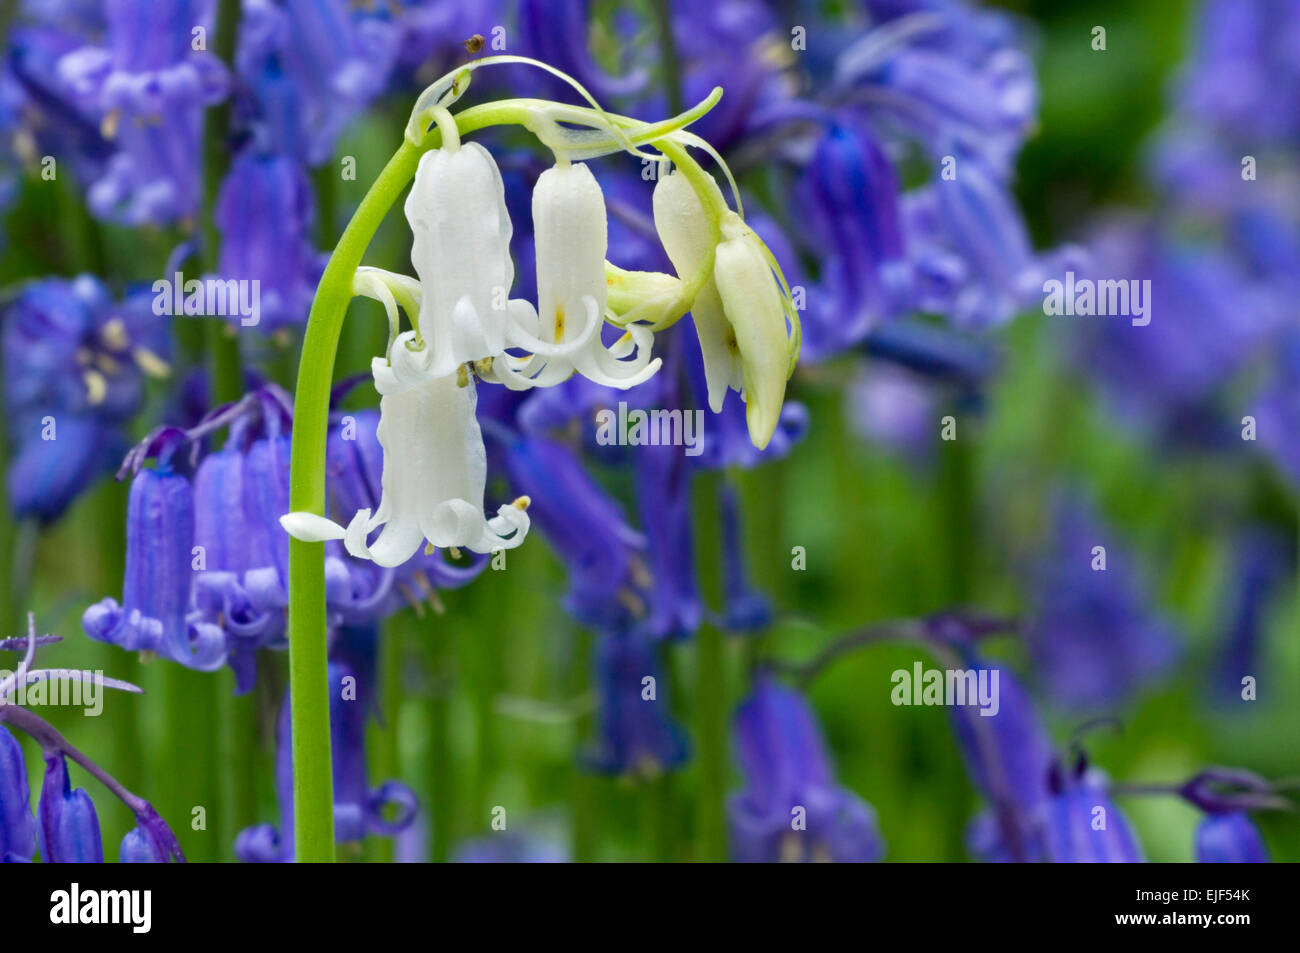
(522, 503)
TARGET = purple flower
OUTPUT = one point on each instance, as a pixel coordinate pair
(1094, 640)
(1229, 839)
(358, 809)
(1084, 826)
(17, 826)
(636, 731)
(587, 530)
(308, 68)
(849, 197)
(1009, 756)
(148, 87)
(746, 609)
(791, 808)
(153, 614)
(1277, 412)
(663, 483)
(264, 213)
(72, 375)
(69, 826)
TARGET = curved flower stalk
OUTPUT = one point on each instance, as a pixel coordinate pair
(425, 379)
(66, 826)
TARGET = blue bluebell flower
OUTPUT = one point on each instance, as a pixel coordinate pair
(555, 32)
(1277, 410)
(1229, 839)
(17, 826)
(69, 826)
(74, 363)
(154, 613)
(636, 732)
(1084, 826)
(264, 213)
(147, 87)
(745, 608)
(663, 486)
(587, 530)
(1264, 561)
(1094, 638)
(791, 808)
(1009, 756)
(358, 809)
(308, 68)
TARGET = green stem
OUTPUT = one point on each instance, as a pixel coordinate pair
(308, 682)
(711, 736)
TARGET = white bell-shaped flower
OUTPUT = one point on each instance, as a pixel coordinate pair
(461, 251)
(740, 312)
(435, 471)
(570, 236)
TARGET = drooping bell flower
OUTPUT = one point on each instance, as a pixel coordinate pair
(73, 363)
(742, 311)
(17, 826)
(435, 473)
(746, 609)
(69, 826)
(1229, 839)
(1084, 826)
(555, 32)
(585, 527)
(358, 592)
(154, 613)
(570, 238)
(663, 490)
(310, 67)
(1094, 638)
(358, 809)
(637, 732)
(264, 213)
(148, 87)
(791, 809)
(461, 252)
(1009, 757)
(849, 194)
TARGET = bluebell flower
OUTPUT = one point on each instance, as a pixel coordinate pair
(745, 609)
(894, 408)
(849, 199)
(1094, 638)
(74, 364)
(587, 530)
(17, 826)
(555, 32)
(147, 87)
(1084, 826)
(264, 213)
(1277, 409)
(432, 34)
(154, 613)
(636, 732)
(69, 826)
(791, 808)
(308, 68)
(1264, 561)
(1009, 756)
(1229, 839)
(663, 487)
(358, 809)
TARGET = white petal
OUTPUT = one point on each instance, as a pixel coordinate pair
(310, 527)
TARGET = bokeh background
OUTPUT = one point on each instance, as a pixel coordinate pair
(1072, 432)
